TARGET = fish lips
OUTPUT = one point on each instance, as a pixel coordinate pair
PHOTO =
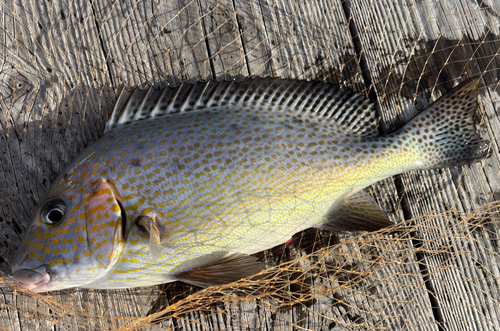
(34, 279)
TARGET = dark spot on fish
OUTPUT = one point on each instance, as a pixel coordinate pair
(296, 120)
(288, 126)
(234, 127)
(136, 162)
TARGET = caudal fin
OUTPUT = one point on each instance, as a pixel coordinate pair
(446, 130)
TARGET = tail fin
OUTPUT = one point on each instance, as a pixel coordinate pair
(446, 129)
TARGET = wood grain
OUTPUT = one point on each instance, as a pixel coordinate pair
(63, 64)
(461, 189)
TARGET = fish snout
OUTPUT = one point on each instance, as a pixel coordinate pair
(32, 278)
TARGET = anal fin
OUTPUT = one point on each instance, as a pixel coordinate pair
(225, 270)
(357, 212)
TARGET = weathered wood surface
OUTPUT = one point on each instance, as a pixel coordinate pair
(63, 63)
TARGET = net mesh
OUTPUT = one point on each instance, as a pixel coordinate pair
(63, 63)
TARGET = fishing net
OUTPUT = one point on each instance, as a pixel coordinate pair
(63, 64)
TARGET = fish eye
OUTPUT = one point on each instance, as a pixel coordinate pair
(53, 211)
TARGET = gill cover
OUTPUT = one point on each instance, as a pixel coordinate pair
(105, 225)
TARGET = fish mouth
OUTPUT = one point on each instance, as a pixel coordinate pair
(32, 278)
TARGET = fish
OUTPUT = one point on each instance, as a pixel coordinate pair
(188, 182)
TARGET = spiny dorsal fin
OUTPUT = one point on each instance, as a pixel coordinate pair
(350, 110)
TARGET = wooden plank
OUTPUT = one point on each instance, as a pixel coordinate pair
(254, 38)
(82, 48)
(291, 313)
(432, 46)
(309, 41)
(55, 97)
(222, 36)
(148, 42)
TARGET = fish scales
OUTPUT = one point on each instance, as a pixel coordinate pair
(187, 182)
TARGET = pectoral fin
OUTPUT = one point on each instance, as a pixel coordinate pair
(357, 212)
(225, 270)
(152, 225)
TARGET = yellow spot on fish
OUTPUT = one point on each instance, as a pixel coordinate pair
(54, 262)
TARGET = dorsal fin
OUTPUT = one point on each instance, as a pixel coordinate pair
(324, 101)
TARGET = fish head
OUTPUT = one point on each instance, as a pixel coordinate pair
(75, 238)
